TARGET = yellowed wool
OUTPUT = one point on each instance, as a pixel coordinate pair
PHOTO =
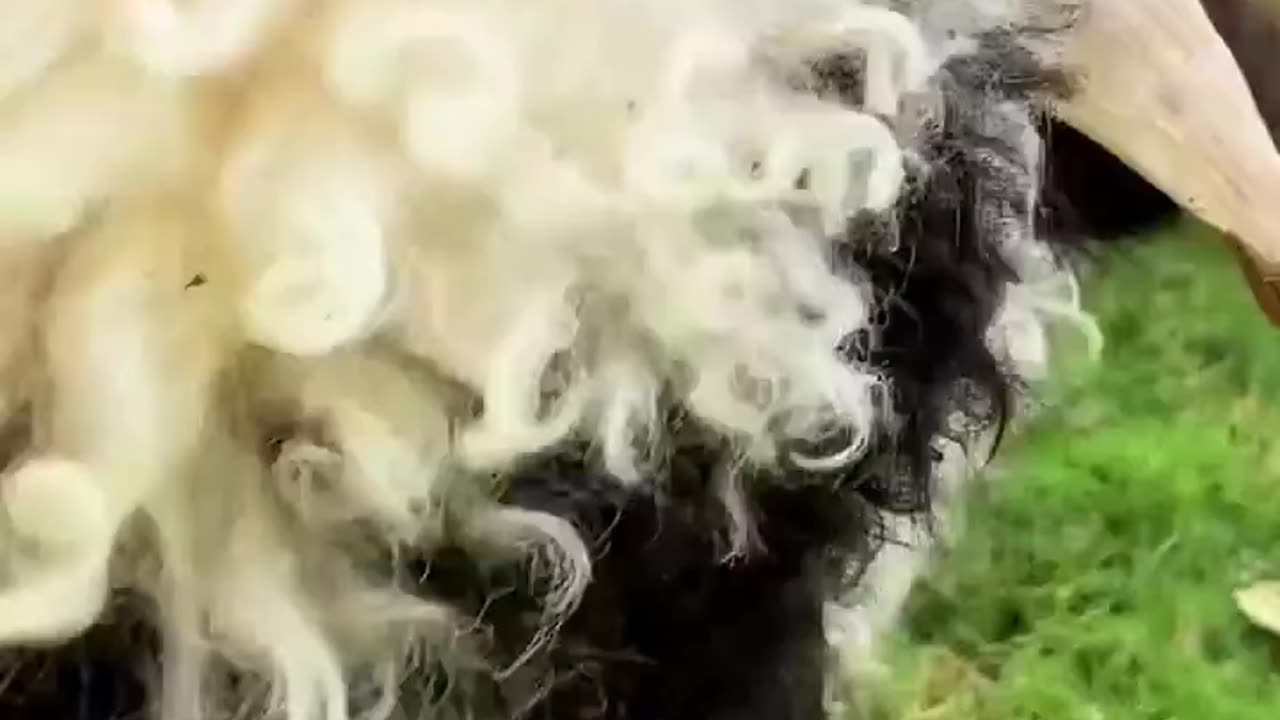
(218, 219)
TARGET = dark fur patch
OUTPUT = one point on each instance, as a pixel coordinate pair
(1088, 191)
(1251, 28)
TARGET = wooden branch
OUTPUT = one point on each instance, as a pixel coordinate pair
(1162, 92)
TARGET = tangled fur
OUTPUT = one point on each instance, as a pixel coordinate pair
(380, 358)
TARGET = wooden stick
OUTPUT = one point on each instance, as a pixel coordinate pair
(1160, 89)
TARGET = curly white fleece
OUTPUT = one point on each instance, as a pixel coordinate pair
(220, 215)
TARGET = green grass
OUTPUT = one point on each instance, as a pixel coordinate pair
(1095, 578)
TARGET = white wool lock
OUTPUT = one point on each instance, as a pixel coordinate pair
(198, 40)
(312, 303)
(628, 415)
(1021, 337)
(65, 523)
(460, 134)
(32, 37)
(59, 505)
(676, 161)
(900, 55)
(316, 257)
(898, 60)
(546, 196)
(849, 405)
(463, 100)
(57, 508)
(74, 138)
(703, 58)
(808, 280)
(39, 205)
(510, 423)
(857, 165)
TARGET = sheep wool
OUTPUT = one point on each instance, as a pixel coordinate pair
(492, 358)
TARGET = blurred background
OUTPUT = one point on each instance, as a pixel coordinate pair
(1097, 576)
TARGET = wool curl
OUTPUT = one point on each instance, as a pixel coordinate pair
(292, 288)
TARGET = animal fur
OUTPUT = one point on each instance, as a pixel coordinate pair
(432, 362)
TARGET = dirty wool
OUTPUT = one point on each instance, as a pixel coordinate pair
(569, 359)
